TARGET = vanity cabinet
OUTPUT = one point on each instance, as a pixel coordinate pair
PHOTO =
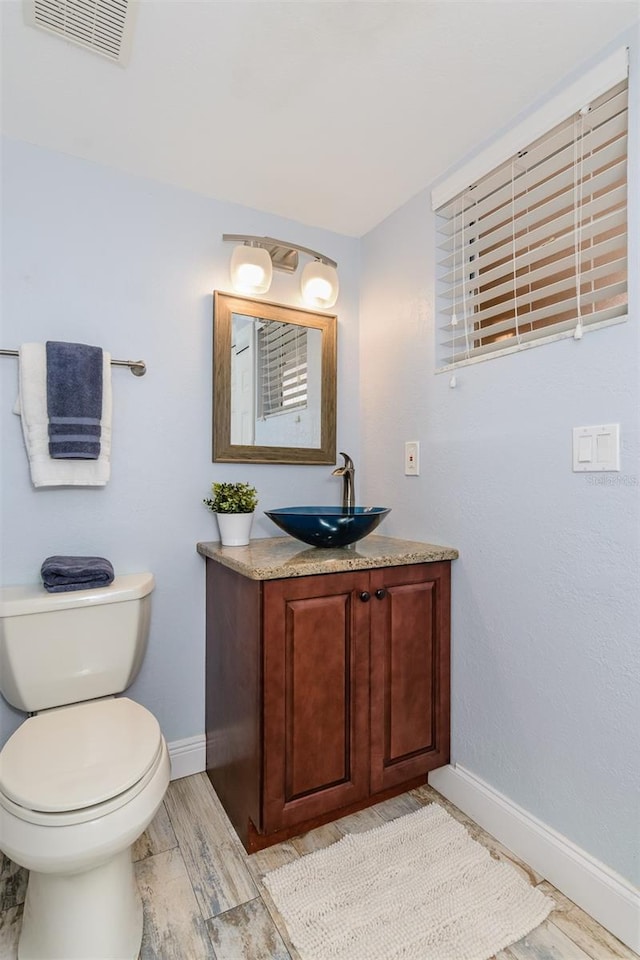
(324, 693)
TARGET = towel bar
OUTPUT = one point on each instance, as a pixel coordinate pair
(138, 367)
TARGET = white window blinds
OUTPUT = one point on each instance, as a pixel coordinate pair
(282, 368)
(536, 249)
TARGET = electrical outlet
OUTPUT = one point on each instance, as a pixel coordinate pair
(412, 458)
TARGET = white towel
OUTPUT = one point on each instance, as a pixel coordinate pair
(31, 405)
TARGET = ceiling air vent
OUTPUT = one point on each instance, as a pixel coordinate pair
(103, 26)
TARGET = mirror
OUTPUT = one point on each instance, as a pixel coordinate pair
(274, 383)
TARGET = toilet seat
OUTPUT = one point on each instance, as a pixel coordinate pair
(76, 763)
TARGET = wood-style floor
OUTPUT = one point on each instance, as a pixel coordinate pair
(204, 900)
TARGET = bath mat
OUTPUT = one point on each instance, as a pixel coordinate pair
(417, 888)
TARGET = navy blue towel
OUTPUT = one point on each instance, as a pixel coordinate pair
(74, 400)
(75, 573)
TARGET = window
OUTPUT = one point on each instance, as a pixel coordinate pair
(536, 249)
(282, 368)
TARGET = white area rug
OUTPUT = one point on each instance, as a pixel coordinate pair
(417, 888)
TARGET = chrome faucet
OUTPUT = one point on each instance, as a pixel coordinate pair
(347, 472)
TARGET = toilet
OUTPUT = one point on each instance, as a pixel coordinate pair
(85, 773)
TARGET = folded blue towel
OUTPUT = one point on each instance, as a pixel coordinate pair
(75, 573)
(74, 400)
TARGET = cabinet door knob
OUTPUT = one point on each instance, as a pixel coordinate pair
(381, 594)
(365, 596)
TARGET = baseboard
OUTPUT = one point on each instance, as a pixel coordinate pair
(187, 756)
(612, 900)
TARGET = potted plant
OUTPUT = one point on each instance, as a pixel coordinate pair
(234, 505)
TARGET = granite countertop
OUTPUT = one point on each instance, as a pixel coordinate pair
(275, 558)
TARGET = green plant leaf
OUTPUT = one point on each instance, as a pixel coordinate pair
(232, 498)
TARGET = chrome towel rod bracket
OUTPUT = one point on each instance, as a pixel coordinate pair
(138, 367)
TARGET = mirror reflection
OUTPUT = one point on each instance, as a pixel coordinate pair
(274, 382)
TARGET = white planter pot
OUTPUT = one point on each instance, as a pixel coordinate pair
(234, 528)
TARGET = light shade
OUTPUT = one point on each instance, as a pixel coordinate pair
(319, 284)
(251, 269)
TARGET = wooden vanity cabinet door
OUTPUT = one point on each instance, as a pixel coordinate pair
(316, 696)
(410, 668)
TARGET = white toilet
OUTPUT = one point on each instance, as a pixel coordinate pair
(82, 778)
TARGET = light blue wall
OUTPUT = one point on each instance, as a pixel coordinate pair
(98, 257)
(546, 607)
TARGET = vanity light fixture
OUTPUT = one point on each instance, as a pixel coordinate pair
(319, 284)
(251, 269)
(253, 260)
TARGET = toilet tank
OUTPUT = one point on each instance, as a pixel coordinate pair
(61, 648)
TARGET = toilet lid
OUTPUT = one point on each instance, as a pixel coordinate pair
(77, 756)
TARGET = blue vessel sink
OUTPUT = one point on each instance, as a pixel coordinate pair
(328, 526)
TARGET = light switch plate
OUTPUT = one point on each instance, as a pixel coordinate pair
(596, 449)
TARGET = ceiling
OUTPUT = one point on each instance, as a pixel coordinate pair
(330, 113)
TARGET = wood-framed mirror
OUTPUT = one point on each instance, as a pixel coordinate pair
(274, 382)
